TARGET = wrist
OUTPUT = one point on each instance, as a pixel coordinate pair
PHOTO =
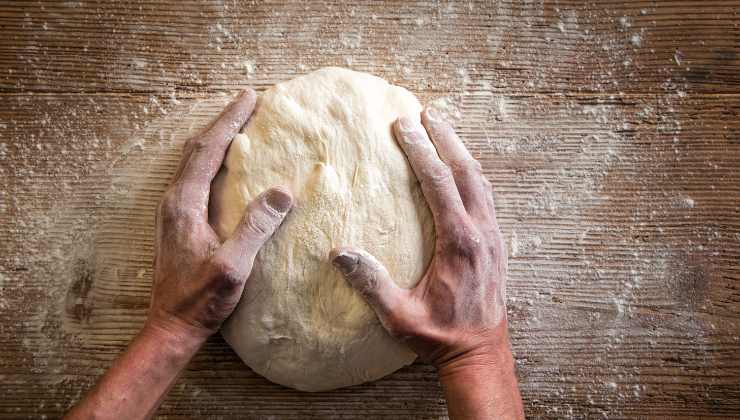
(482, 360)
(486, 349)
(174, 336)
(481, 383)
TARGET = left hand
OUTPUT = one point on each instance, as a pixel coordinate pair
(198, 281)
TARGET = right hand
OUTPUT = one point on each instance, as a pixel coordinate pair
(456, 314)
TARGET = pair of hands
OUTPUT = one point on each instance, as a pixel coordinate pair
(454, 317)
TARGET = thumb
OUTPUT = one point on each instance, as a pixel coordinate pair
(370, 278)
(261, 219)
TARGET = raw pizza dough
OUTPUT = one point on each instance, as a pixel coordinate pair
(326, 136)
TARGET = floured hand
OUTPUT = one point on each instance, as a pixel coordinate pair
(455, 317)
(458, 305)
(198, 281)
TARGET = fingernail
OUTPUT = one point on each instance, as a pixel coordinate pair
(433, 115)
(345, 262)
(278, 200)
(405, 124)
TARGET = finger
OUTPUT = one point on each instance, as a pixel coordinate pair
(186, 151)
(435, 177)
(369, 277)
(188, 147)
(261, 219)
(207, 150)
(474, 188)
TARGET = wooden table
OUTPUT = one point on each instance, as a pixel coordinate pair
(609, 128)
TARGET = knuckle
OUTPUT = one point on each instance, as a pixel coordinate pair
(468, 247)
(439, 175)
(168, 195)
(173, 209)
(190, 143)
(222, 266)
(168, 205)
(226, 273)
(470, 168)
(364, 281)
(463, 242)
(260, 223)
(197, 143)
(473, 166)
(415, 137)
(189, 216)
(231, 280)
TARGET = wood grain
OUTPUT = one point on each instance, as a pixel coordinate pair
(617, 186)
(531, 46)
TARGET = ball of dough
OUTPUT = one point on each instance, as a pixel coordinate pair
(326, 136)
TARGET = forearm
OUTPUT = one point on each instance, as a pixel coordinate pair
(482, 387)
(137, 382)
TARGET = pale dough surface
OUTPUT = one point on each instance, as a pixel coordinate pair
(326, 136)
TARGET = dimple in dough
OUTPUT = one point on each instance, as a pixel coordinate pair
(326, 136)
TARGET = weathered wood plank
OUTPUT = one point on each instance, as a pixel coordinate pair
(523, 47)
(621, 212)
(617, 179)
